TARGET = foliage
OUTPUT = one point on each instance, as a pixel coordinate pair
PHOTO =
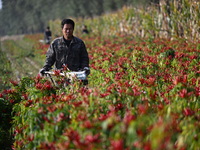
(5, 123)
(142, 94)
(26, 17)
(5, 106)
(5, 69)
(170, 19)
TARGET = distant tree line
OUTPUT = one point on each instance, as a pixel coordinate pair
(31, 16)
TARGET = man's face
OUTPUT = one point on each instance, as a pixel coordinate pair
(68, 31)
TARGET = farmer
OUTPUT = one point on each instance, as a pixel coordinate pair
(85, 30)
(47, 35)
(67, 51)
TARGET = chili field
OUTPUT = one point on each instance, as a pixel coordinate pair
(142, 94)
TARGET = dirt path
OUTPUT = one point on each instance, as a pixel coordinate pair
(12, 37)
(32, 63)
(18, 69)
(12, 62)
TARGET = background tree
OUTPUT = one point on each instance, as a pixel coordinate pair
(23, 17)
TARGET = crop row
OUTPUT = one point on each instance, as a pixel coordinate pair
(142, 94)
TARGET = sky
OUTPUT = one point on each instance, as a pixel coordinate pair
(0, 4)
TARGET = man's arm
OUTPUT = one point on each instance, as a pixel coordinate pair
(84, 56)
(85, 59)
(50, 58)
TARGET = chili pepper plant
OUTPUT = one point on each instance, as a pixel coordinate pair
(142, 94)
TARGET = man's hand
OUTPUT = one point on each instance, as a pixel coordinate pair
(42, 71)
(87, 70)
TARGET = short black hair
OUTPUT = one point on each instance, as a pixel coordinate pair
(67, 21)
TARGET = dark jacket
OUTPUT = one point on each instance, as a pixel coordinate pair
(47, 36)
(75, 56)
